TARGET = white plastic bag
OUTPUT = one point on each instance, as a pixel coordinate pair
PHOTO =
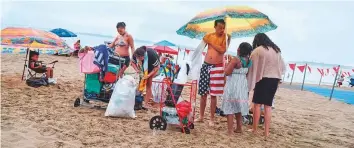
(122, 100)
(157, 89)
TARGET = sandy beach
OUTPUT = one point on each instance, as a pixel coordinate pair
(45, 117)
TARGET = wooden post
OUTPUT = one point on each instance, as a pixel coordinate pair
(334, 83)
(292, 76)
(303, 80)
(319, 84)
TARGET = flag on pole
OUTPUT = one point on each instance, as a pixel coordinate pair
(292, 66)
(301, 68)
(320, 71)
(309, 68)
(336, 69)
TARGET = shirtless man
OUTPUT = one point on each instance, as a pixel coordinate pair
(121, 44)
(211, 80)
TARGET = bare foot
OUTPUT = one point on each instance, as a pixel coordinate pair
(199, 120)
(253, 131)
(238, 130)
(211, 123)
(230, 133)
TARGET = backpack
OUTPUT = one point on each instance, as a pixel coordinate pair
(37, 82)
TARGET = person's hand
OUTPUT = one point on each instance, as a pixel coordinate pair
(146, 77)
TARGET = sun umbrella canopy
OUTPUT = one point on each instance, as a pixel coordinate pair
(163, 49)
(164, 43)
(26, 36)
(241, 21)
(63, 32)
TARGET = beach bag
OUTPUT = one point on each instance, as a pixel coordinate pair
(86, 63)
(184, 108)
(176, 93)
(36, 82)
(138, 101)
(92, 84)
(157, 88)
(122, 100)
(110, 77)
(116, 60)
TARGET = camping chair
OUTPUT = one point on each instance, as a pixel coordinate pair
(32, 73)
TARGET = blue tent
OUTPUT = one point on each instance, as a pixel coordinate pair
(63, 32)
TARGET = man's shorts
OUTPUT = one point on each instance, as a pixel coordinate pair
(212, 79)
(127, 61)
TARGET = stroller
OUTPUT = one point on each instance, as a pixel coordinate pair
(172, 111)
(96, 90)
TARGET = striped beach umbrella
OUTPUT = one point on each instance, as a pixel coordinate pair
(31, 38)
(241, 21)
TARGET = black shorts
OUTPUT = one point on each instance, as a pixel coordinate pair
(127, 60)
(265, 90)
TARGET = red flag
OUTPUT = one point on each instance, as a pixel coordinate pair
(353, 70)
(327, 71)
(292, 66)
(336, 69)
(187, 51)
(321, 71)
(309, 68)
(301, 68)
(348, 73)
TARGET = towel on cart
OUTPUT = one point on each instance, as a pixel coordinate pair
(101, 58)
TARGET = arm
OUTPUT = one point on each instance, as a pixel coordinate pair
(131, 43)
(135, 67)
(154, 71)
(219, 48)
(230, 67)
(113, 43)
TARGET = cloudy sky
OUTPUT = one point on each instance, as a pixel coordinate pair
(307, 31)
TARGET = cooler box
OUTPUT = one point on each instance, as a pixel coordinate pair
(92, 83)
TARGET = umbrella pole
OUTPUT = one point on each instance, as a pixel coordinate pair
(334, 83)
(292, 76)
(177, 56)
(184, 53)
(24, 66)
(303, 80)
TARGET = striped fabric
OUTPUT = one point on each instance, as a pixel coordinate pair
(217, 80)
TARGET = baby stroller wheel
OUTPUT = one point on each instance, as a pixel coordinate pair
(250, 119)
(77, 102)
(261, 120)
(157, 122)
(191, 126)
(186, 130)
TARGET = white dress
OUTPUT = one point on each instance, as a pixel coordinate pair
(235, 97)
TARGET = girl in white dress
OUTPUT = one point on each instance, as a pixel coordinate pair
(235, 97)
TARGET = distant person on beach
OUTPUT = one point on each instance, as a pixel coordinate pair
(263, 77)
(77, 47)
(340, 81)
(146, 62)
(235, 97)
(40, 68)
(122, 43)
(211, 79)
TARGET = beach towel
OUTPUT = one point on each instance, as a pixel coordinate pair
(86, 63)
(101, 59)
(196, 60)
(144, 67)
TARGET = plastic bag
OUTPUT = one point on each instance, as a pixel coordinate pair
(157, 89)
(122, 100)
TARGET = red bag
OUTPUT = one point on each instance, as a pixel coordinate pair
(183, 108)
(110, 77)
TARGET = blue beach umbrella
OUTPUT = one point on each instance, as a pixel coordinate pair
(63, 32)
(164, 43)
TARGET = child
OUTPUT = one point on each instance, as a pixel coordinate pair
(38, 67)
(235, 97)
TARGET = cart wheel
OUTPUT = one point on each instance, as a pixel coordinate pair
(157, 122)
(86, 100)
(191, 126)
(261, 120)
(186, 130)
(77, 102)
(250, 119)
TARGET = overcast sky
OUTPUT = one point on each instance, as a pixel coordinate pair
(307, 31)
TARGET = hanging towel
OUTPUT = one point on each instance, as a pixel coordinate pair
(144, 67)
(101, 58)
(196, 60)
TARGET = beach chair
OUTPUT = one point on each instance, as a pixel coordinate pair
(29, 72)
